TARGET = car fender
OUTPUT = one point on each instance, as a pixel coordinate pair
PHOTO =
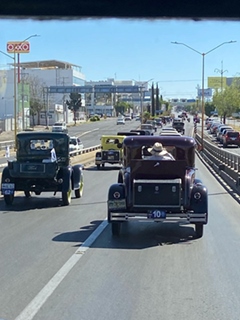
(199, 198)
(6, 174)
(76, 176)
(116, 191)
(66, 174)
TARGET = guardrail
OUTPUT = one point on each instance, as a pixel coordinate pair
(72, 153)
(225, 164)
(85, 150)
(5, 144)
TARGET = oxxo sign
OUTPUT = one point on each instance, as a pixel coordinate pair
(18, 47)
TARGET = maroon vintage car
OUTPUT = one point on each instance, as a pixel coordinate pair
(155, 190)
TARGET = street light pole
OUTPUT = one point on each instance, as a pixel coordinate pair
(221, 72)
(14, 94)
(203, 57)
(141, 96)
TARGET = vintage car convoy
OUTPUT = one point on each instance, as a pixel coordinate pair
(152, 190)
(111, 150)
(42, 164)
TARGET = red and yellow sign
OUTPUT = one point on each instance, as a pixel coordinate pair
(18, 47)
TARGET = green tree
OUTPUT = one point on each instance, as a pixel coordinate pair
(122, 107)
(74, 104)
(227, 101)
(209, 108)
(146, 116)
(36, 101)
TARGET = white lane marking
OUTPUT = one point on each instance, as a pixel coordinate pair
(86, 132)
(33, 307)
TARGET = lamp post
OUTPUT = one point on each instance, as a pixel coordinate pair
(203, 56)
(221, 72)
(14, 94)
(18, 67)
(18, 55)
(141, 95)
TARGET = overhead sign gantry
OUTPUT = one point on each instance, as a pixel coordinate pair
(95, 89)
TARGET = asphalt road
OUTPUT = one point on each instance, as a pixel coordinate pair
(62, 262)
(50, 270)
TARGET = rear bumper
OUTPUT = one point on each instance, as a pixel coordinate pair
(189, 217)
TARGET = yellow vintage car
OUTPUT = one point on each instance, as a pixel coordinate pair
(111, 150)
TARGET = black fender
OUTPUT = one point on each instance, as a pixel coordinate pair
(128, 189)
(116, 197)
(116, 192)
(65, 174)
(6, 175)
(76, 176)
(198, 182)
(199, 199)
(120, 176)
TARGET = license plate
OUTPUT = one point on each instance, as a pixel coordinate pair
(110, 157)
(157, 214)
(8, 188)
(117, 204)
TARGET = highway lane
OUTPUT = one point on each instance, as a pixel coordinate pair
(153, 270)
(91, 132)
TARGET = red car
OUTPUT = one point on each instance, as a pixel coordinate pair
(231, 138)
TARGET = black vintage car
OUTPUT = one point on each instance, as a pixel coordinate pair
(153, 190)
(42, 164)
(179, 126)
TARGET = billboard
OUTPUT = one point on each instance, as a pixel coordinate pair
(217, 82)
(207, 93)
(18, 47)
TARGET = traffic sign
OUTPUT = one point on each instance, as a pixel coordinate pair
(18, 47)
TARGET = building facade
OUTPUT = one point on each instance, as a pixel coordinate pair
(34, 78)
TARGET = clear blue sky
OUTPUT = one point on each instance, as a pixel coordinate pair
(133, 49)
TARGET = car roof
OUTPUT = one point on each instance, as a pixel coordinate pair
(181, 141)
(41, 135)
(173, 133)
(168, 129)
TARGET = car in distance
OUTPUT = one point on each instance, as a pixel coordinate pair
(179, 126)
(231, 138)
(111, 151)
(60, 127)
(75, 145)
(153, 123)
(120, 121)
(148, 128)
(42, 165)
(159, 191)
(128, 118)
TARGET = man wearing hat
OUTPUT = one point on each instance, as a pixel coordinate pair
(159, 153)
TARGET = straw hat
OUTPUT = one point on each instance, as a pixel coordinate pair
(157, 149)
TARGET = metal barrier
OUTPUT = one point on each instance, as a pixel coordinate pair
(225, 164)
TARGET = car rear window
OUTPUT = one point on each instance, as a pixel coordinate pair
(233, 134)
